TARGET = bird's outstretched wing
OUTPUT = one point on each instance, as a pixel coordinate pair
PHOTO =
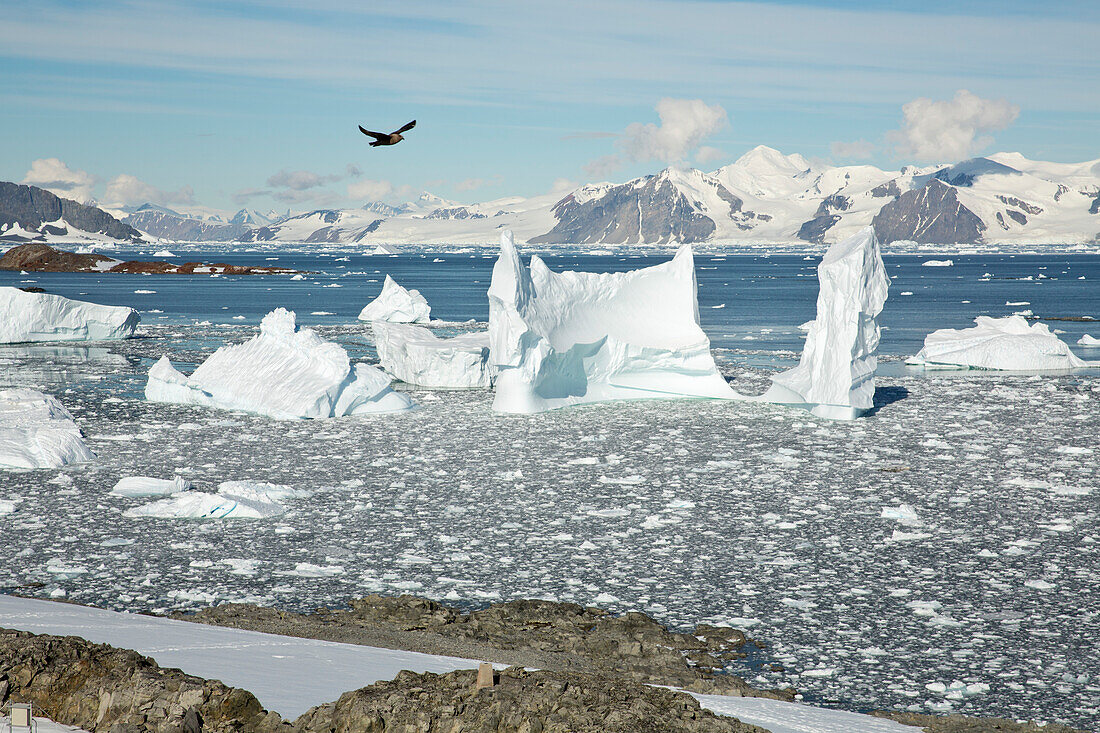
(407, 127)
(375, 135)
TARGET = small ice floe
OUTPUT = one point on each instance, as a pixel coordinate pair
(1039, 584)
(299, 276)
(957, 690)
(164, 253)
(7, 506)
(1017, 303)
(1088, 340)
(938, 263)
(233, 500)
(145, 292)
(903, 513)
(906, 292)
(309, 570)
(145, 486)
(899, 536)
(609, 513)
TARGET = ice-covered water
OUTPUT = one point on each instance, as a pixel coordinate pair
(946, 543)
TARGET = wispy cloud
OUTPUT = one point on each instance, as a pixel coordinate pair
(951, 129)
(125, 189)
(300, 180)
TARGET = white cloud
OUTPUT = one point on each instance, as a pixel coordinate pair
(61, 180)
(300, 180)
(603, 166)
(370, 190)
(854, 150)
(685, 124)
(563, 184)
(707, 154)
(125, 189)
(950, 130)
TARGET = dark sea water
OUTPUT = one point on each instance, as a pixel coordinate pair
(746, 302)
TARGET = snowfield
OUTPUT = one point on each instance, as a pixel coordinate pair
(946, 542)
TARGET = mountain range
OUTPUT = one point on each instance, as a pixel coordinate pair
(763, 197)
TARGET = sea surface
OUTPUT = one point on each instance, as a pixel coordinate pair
(938, 555)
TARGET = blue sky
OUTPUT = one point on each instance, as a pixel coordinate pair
(208, 101)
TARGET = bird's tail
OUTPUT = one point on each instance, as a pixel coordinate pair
(376, 143)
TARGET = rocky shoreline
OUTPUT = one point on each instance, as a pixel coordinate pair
(44, 258)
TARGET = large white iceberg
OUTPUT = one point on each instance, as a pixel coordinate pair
(568, 338)
(284, 372)
(26, 317)
(417, 356)
(1009, 343)
(397, 305)
(835, 377)
(36, 431)
(233, 500)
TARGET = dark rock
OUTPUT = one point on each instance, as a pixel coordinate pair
(930, 214)
(521, 702)
(886, 190)
(99, 688)
(30, 207)
(1023, 205)
(458, 212)
(43, 258)
(965, 724)
(1095, 207)
(824, 218)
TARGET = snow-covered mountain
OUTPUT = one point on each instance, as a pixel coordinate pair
(763, 197)
(32, 214)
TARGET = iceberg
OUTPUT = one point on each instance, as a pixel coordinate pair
(27, 317)
(145, 486)
(397, 305)
(233, 500)
(568, 338)
(36, 431)
(1010, 344)
(1088, 340)
(285, 372)
(835, 377)
(417, 356)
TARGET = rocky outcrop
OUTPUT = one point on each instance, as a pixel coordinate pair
(965, 724)
(44, 258)
(652, 210)
(99, 688)
(824, 218)
(455, 213)
(931, 214)
(533, 633)
(520, 702)
(30, 207)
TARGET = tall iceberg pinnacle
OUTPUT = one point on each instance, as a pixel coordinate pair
(559, 339)
(836, 376)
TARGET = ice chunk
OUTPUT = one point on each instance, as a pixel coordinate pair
(938, 263)
(836, 375)
(164, 253)
(1088, 340)
(568, 338)
(43, 317)
(996, 343)
(36, 431)
(397, 305)
(233, 500)
(417, 356)
(145, 486)
(284, 372)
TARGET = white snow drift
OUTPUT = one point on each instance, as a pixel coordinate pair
(36, 431)
(284, 372)
(28, 317)
(997, 343)
(568, 338)
(417, 356)
(836, 376)
(397, 305)
(233, 500)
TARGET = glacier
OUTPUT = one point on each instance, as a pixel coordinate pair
(27, 317)
(835, 378)
(397, 305)
(417, 356)
(284, 372)
(36, 431)
(569, 338)
(1009, 344)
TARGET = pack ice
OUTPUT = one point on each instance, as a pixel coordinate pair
(285, 373)
(835, 377)
(568, 338)
(397, 305)
(996, 343)
(43, 317)
(417, 356)
(36, 431)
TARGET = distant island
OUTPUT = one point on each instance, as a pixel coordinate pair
(44, 258)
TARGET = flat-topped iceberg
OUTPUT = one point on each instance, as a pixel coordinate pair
(568, 338)
(835, 377)
(28, 317)
(36, 431)
(233, 500)
(417, 356)
(284, 372)
(397, 305)
(1010, 344)
(146, 486)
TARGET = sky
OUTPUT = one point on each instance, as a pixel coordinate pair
(241, 103)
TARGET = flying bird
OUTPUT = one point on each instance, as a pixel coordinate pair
(387, 138)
